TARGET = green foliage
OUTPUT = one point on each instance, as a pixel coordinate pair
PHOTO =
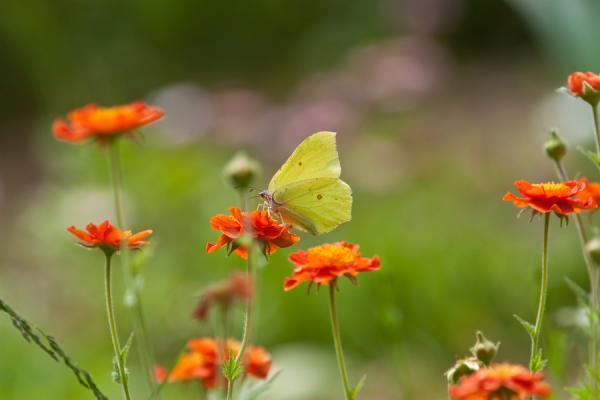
(530, 328)
(250, 391)
(51, 348)
(232, 368)
(358, 387)
(592, 156)
(537, 362)
(590, 383)
(123, 353)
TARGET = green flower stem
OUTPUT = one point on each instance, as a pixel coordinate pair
(596, 127)
(229, 390)
(144, 349)
(113, 327)
(247, 319)
(535, 340)
(337, 341)
(223, 322)
(593, 277)
(249, 303)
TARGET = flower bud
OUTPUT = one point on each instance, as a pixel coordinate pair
(585, 85)
(484, 350)
(555, 147)
(464, 367)
(593, 248)
(241, 171)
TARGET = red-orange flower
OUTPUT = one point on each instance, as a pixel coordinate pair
(325, 263)
(269, 233)
(561, 198)
(201, 362)
(237, 287)
(104, 122)
(591, 192)
(500, 381)
(578, 81)
(109, 238)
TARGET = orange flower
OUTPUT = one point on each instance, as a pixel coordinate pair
(104, 122)
(590, 193)
(109, 238)
(562, 197)
(500, 381)
(578, 81)
(325, 263)
(237, 287)
(201, 362)
(269, 233)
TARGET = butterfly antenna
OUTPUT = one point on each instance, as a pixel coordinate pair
(253, 189)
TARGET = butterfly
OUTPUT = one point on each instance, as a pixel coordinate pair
(307, 192)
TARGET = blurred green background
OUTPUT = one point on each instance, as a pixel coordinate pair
(440, 105)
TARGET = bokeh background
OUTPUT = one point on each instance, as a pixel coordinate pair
(440, 105)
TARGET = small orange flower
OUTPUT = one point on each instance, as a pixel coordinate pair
(500, 381)
(591, 192)
(109, 238)
(578, 81)
(237, 287)
(201, 362)
(325, 263)
(104, 122)
(561, 198)
(269, 233)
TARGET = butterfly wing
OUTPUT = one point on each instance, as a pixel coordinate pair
(315, 205)
(315, 157)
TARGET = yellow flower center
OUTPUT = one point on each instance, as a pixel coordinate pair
(551, 188)
(103, 116)
(331, 255)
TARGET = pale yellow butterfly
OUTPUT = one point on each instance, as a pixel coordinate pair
(307, 192)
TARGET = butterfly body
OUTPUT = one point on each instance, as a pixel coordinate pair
(307, 192)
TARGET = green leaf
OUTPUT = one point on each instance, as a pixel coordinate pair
(115, 373)
(358, 387)
(123, 353)
(232, 368)
(125, 350)
(52, 348)
(528, 327)
(580, 293)
(595, 158)
(251, 391)
(537, 362)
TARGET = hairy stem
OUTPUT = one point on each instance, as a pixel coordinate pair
(592, 272)
(249, 302)
(113, 327)
(596, 128)
(535, 340)
(337, 341)
(144, 349)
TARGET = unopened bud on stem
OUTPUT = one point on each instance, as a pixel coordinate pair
(593, 249)
(555, 147)
(484, 350)
(241, 171)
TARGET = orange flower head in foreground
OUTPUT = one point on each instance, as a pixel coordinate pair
(224, 294)
(582, 84)
(266, 230)
(109, 238)
(103, 123)
(201, 362)
(326, 263)
(562, 198)
(500, 381)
